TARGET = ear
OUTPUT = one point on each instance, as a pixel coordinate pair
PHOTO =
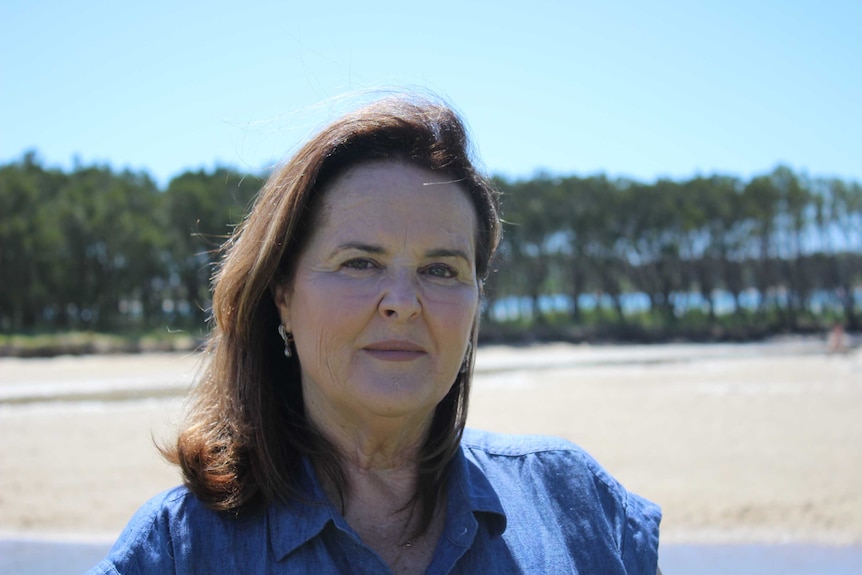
(281, 298)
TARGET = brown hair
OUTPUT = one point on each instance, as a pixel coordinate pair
(246, 432)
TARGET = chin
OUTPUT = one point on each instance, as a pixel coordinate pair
(399, 395)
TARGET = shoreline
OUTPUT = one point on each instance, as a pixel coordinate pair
(739, 443)
(46, 558)
(47, 380)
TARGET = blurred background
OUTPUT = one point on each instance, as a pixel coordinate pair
(667, 168)
(684, 175)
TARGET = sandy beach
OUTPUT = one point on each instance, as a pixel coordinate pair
(756, 443)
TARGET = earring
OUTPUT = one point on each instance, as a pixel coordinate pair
(288, 340)
(466, 364)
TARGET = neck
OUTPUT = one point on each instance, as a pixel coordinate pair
(379, 459)
(381, 474)
(371, 443)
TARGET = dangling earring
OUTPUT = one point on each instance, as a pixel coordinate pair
(288, 340)
(466, 364)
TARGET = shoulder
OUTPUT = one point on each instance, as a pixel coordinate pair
(549, 454)
(164, 511)
(505, 444)
(552, 476)
(146, 545)
(549, 459)
(174, 532)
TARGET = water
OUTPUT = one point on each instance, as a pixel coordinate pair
(514, 307)
(788, 559)
(38, 557)
(28, 557)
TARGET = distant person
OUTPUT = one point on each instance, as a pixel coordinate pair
(837, 340)
(327, 429)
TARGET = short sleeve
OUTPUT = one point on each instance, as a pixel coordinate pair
(640, 536)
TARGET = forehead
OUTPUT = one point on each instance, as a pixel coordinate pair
(394, 197)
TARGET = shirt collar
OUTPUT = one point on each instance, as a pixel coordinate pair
(470, 498)
(294, 523)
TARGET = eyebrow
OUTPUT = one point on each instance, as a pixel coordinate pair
(362, 247)
(447, 253)
(378, 250)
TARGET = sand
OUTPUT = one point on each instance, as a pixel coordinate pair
(738, 443)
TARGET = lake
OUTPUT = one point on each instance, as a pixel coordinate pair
(40, 557)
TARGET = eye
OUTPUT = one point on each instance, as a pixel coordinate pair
(441, 271)
(359, 264)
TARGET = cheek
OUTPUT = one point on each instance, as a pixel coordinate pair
(322, 337)
(328, 290)
(326, 312)
(454, 309)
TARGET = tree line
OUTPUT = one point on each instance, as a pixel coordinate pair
(98, 249)
(93, 248)
(712, 255)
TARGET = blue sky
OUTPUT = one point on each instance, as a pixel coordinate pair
(637, 89)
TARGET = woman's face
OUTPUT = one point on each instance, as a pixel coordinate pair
(385, 294)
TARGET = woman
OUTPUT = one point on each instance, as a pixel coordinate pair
(327, 433)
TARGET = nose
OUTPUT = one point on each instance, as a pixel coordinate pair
(400, 299)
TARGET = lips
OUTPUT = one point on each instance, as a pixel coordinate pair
(395, 345)
(395, 350)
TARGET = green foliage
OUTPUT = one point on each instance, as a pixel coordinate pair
(201, 211)
(795, 242)
(95, 249)
(99, 250)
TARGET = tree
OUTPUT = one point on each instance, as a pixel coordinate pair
(201, 210)
(29, 238)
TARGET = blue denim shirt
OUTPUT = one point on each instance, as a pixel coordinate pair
(515, 504)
